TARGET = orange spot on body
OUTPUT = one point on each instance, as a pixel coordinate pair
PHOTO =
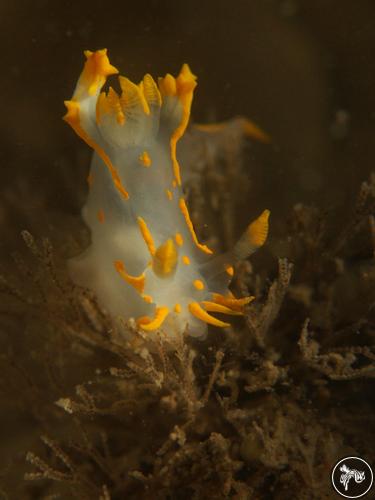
(229, 269)
(100, 216)
(186, 260)
(147, 298)
(179, 239)
(145, 159)
(198, 284)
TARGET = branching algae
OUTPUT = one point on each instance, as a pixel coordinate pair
(145, 260)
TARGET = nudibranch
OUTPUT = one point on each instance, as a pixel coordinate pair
(145, 260)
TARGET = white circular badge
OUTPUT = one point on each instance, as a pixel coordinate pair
(352, 477)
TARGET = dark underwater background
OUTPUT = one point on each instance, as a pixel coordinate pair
(293, 388)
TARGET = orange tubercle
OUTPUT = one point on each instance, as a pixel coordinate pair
(145, 159)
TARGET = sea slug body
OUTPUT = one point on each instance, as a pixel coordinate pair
(145, 260)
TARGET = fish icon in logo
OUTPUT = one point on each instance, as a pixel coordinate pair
(348, 474)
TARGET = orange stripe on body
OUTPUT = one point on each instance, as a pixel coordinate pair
(73, 118)
(146, 235)
(185, 213)
(138, 282)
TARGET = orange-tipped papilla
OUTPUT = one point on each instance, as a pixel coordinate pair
(253, 238)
